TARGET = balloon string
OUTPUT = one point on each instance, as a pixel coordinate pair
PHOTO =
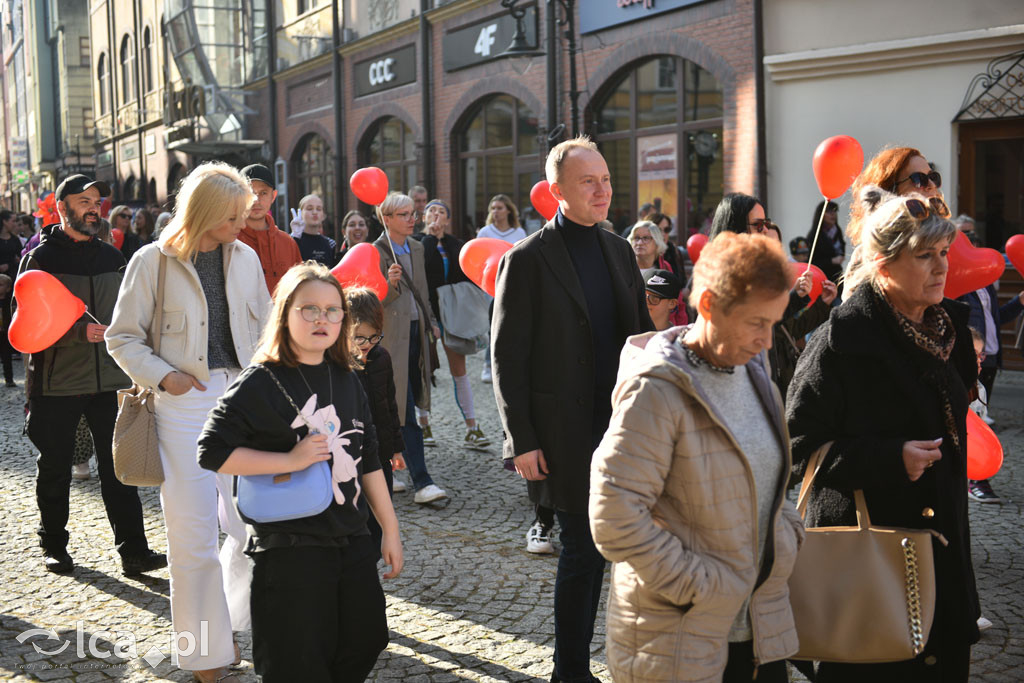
(92, 316)
(817, 232)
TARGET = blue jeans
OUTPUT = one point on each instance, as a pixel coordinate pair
(411, 432)
(577, 594)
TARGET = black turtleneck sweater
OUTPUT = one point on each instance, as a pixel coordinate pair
(588, 260)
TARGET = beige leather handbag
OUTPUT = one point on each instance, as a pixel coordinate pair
(861, 594)
(136, 453)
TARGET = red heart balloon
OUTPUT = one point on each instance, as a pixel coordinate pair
(543, 200)
(817, 278)
(984, 452)
(46, 311)
(118, 235)
(695, 245)
(105, 206)
(1015, 252)
(971, 268)
(361, 268)
(837, 161)
(479, 260)
(370, 184)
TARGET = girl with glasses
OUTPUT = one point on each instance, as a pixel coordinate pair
(318, 610)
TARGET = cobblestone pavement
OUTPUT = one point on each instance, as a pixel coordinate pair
(470, 605)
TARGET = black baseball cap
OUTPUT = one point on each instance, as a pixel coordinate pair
(664, 284)
(259, 172)
(78, 183)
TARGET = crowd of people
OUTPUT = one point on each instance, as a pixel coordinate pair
(657, 408)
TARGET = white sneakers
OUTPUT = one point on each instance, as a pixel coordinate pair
(80, 471)
(485, 376)
(429, 493)
(538, 540)
(397, 485)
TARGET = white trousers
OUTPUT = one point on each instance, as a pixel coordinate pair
(209, 590)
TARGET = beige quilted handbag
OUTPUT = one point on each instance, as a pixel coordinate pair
(136, 453)
(861, 594)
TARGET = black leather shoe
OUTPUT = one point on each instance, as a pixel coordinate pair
(58, 561)
(146, 562)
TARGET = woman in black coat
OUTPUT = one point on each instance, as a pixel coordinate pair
(441, 262)
(886, 381)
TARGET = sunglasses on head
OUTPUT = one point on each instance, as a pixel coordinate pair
(922, 179)
(919, 209)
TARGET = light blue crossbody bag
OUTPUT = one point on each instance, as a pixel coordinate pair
(265, 498)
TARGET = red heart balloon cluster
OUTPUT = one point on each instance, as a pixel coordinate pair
(543, 201)
(837, 162)
(361, 268)
(695, 245)
(984, 452)
(370, 184)
(817, 278)
(971, 268)
(46, 311)
(479, 260)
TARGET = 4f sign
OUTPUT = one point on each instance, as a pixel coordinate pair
(380, 71)
(485, 40)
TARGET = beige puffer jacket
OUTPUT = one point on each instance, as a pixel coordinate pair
(672, 504)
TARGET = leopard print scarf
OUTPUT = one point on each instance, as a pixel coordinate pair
(935, 336)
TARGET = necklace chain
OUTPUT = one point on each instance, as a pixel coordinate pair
(330, 384)
(697, 361)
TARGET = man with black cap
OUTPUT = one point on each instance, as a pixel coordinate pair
(662, 288)
(277, 250)
(76, 376)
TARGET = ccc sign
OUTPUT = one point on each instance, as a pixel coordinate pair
(380, 71)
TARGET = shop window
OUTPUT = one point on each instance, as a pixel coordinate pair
(499, 153)
(659, 125)
(389, 144)
(313, 173)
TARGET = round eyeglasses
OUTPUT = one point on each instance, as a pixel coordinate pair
(311, 313)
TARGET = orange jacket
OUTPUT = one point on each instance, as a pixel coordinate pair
(277, 251)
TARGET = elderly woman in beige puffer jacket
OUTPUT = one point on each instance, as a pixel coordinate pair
(687, 486)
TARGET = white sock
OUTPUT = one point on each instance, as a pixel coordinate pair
(464, 397)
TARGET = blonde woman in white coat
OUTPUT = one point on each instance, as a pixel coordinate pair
(214, 306)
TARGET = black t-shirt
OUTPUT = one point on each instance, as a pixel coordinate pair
(254, 413)
(317, 248)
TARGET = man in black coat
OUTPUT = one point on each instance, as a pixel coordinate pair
(566, 298)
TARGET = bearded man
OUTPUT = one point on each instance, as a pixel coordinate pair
(76, 376)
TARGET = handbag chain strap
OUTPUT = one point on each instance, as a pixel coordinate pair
(287, 396)
(913, 596)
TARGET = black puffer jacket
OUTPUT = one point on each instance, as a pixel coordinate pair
(865, 385)
(378, 381)
(92, 271)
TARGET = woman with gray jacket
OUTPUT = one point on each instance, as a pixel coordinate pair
(687, 491)
(215, 303)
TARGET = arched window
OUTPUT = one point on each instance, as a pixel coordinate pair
(390, 146)
(313, 173)
(498, 154)
(103, 75)
(127, 70)
(659, 126)
(147, 60)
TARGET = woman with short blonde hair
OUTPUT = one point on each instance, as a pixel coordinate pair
(215, 303)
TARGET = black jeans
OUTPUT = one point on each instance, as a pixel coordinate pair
(740, 667)
(577, 594)
(51, 427)
(6, 350)
(318, 614)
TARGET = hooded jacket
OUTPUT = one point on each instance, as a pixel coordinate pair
(91, 270)
(673, 505)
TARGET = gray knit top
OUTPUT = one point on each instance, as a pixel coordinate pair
(220, 350)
